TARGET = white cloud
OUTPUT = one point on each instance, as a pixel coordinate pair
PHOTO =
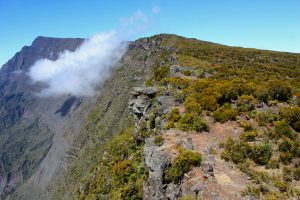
(156, 9)
(78, 72)
(137, 18)
(134, 24)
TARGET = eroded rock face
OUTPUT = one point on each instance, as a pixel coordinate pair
(156, 162)
(139, 105)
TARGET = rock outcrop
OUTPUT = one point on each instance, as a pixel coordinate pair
(155, 162)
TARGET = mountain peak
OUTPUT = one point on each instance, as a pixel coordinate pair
(46, 41)
(42, 47)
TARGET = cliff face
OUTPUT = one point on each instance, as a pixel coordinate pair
(32, 128)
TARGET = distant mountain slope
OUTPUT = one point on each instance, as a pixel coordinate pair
(30, 126)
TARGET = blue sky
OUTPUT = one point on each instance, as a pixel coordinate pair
(265, 24)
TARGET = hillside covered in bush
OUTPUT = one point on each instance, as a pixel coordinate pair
(207, 121)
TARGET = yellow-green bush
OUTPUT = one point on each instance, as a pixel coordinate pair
(263, 118)
(192, 105)
(174, 115)
(224, 114)
(246, 103)
(182, 164)
(248, 136)
(192, 121)
(292, 116)
(236, 151)
(289, 149)
(282, 128)
(261, 153)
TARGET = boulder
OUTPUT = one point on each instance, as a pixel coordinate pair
(149, 91)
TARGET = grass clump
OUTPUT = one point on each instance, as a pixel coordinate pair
(182, 164)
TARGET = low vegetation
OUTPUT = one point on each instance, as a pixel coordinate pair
(119, 174)
(182, 164)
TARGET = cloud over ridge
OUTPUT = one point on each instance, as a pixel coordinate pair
(78, 72)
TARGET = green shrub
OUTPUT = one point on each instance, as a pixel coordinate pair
(246, 103)
(275, 91)
(173, 174)
(192, 122)
(273, 164)
(159, 140)
(288, 145)
(291, 114)
(182, 164)
(224, 114)
(266, 117)
(261, 153)
(288, 150)
(236, 151)
(280, 91)
(262, 93)
(282, 128)
(248, 136)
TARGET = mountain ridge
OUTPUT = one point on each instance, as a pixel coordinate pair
(79, 130)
